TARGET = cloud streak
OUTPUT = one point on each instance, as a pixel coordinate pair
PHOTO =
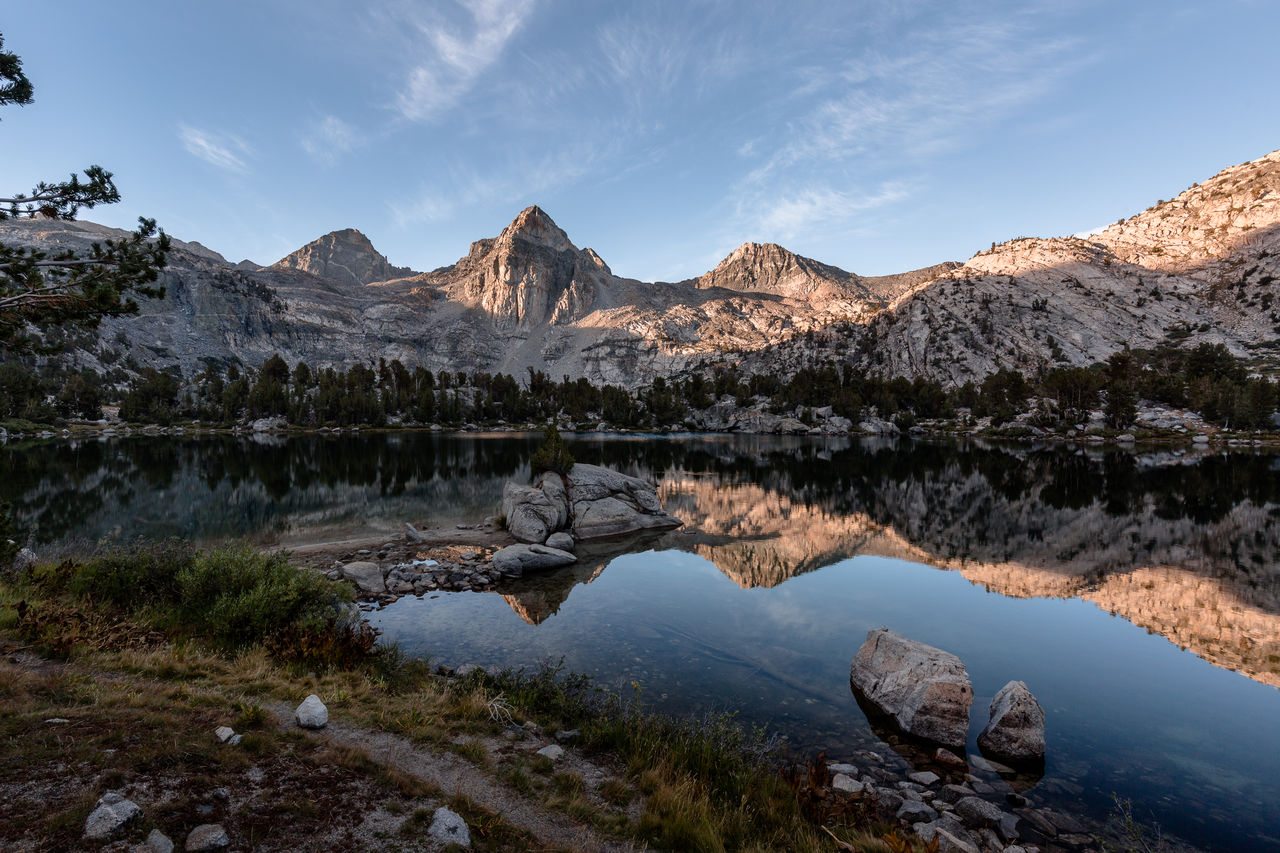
(455, 57)
(330, 138)
(224, 150)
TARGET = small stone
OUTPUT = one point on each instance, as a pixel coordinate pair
(111, 813)
(553, 752)
(56, 721)
(234, 740)
(947, 758)
(846, 784)
(924, 777)
(448, 827)
(568, 735)
(561, 541)
(846, 769)
(224, 733)
(207, 836)
(914, 811)
(468, 555)
(978, 812)
(888, 799)
(157, 842)
(465, 670)
(1008, 828)
(954, 793)
(312, 714)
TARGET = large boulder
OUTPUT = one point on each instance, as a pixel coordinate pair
(535, 512)
(515, 560)
(1016, 726)
(925, 690)
(608, 503)
(366, 575)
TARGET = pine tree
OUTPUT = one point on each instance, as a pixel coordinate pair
(69, 287)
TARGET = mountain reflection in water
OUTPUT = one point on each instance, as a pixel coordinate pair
(1185, 544)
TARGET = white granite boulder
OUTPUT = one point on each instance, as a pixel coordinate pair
(1016, 727)
(925, 690)
(312, 714)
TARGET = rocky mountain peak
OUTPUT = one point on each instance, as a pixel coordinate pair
(346, 256)
(529, 274)
(533, 225)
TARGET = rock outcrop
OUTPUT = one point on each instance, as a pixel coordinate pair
(607, 503)
(1015, 730)
(925, 690)
(535, 512)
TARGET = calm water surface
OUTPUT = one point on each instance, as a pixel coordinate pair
(1138, 595)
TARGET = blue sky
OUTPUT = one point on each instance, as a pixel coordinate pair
(877, 136)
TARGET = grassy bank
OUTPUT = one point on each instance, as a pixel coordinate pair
(147, 650)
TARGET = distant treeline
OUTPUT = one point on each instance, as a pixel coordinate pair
(1207, 379)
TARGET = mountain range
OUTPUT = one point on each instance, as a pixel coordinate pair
(1201, 267)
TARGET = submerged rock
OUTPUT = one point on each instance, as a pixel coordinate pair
(925, 690)
(1016, 727)
(518, 559)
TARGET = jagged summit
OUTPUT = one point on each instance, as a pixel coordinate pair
(345, 256)
(534, 226)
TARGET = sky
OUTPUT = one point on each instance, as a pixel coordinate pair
(876, 136)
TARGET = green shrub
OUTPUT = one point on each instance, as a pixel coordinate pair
(236, 596)
(132, 577)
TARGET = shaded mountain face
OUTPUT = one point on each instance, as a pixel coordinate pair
(344, 256)
(1203, 266)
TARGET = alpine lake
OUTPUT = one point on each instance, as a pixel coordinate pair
(1136, 592)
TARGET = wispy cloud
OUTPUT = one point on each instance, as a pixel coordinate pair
(455, 55)
(881, 119)
(796, 212)
(329, 138)
(516, 184)
(224, 150)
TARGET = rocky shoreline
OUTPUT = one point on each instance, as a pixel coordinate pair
(1155, 425)
(969, 804)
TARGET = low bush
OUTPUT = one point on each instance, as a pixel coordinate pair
(232, 597)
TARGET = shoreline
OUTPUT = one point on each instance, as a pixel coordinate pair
(1213, 437)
